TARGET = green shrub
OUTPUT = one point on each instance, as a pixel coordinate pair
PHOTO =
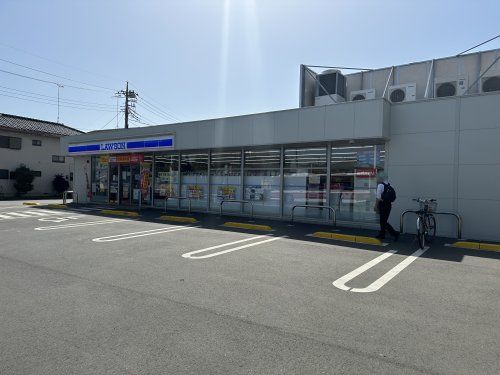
(60, 183)
(24, 180)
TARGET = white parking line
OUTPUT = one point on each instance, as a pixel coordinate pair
(38, 213)
(64, 226)
(17, 214)
(190, 254)
(126, 236)
(384, 279)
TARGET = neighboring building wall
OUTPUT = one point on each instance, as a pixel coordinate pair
(37, 158)
(448, 149)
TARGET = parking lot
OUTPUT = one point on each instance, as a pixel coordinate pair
(87, 293)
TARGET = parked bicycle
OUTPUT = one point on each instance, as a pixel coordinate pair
(426, 222)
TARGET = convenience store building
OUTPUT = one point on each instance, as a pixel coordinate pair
(432, 127)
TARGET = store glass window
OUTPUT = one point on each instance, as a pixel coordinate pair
(225, 179)
(166, 179)
(262, 181)
(305, 181)
(145, 178)
(353, 181)
(100, 173)
(194, 179)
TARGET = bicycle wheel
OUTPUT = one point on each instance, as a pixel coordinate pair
(420, 232)
(430, 223)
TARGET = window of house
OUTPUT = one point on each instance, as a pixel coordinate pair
(4, 174)
(58, 159)
(36, 173)
(13, 143)
(36, 142)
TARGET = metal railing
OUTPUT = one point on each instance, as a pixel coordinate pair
(73, 193)
(331, 209)
(178, 198)
(237, 201)
(457, 216)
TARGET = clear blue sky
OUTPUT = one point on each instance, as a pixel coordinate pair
(199, 59)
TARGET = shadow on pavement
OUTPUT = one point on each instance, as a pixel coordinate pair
(301, 231)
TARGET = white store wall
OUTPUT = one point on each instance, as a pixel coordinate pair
(443, 148)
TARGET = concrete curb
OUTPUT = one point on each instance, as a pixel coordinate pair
(59, 206)
(348, 238)
(233, 224)
(120, 213)
(179, 219)
(476, 245)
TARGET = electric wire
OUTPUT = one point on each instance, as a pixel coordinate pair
(35, 95)
(55, 104)
(56, 62)
(142, 105)
(173, 117)
(109, 122)
(477, 45)
(57, 76)
(47, 81)
(166, 113)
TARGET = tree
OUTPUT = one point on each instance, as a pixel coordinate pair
(60, 184)
(24, 179)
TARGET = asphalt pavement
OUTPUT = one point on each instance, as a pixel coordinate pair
(87, 293)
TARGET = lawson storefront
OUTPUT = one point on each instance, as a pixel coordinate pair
(240, 158)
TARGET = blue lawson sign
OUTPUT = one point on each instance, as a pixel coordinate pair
(136, 145)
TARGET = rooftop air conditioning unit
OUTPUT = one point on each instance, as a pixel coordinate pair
(330, 87)
(362, 95)
(449, 87)
(491, 82)
(403, 93)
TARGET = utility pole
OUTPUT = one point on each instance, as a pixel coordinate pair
(126, 106)
(130, 100)
(59, 87)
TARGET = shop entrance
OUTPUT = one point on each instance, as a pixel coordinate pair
(129, 186)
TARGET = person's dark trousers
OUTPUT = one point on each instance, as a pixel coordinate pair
(384, 212)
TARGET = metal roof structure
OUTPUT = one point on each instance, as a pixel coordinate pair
(34, 126)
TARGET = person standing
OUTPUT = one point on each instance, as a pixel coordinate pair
(383, 205)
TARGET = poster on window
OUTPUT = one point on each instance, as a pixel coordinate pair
(226, 192)
(166, 190)
(254, 193)
(194, 191)
(145, 180)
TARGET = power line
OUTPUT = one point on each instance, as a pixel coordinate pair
(166, 113)
(53, 100)
(46, 81)
(477, 45)
(42, 96)
(110, 121)
(55, 104)
(55, 75)
(56, 62)
(144, 106)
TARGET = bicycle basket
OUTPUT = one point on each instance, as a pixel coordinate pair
(428, 206)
